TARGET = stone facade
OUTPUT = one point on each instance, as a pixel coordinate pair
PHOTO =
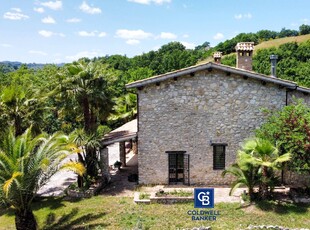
(190, 112)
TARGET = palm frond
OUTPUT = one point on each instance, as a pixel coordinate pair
(76, 167)
(7, 184)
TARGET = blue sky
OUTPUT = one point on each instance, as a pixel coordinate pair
(54, 31)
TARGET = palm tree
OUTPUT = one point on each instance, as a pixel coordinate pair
(85, 83)
(261, 153)
(89, 89)
(246, 175)
(18, 108)
(26, 164)
(85, 142)
(125, 108)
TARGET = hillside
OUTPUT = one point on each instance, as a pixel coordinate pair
(280, 41)
(10, 66)
(275, 43)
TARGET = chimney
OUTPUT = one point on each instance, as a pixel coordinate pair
(217, 57)
(244, 55)
(273, 60)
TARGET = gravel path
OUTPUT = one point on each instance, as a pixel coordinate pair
(59, 182)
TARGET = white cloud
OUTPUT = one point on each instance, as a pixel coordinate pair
(238, 16)
(189, 45)
(87, 34)
(36, 52)
(132, 42)
(218, 36)
(57, 5)
(185, 36)
(92, 34)
(132, 34)
(16, 9)
(88, 54)
(88, 9)
(39, 10)
(73, 20)
(147, 2)
(47, 34)
(167, 35)
(243, 16)
(48, 20)
(102, 34)
(5, 45)
(15, 14)
(248, 15)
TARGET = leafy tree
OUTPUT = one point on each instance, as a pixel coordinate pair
(287, 33)
(290, 129)
(229, 60)
(203, 46)
(26, 164)
(139, 74)
(265, 35)
(293, 62)
(304, 29)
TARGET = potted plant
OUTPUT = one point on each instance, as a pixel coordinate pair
(118, 165)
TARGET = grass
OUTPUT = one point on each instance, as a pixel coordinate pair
(103, 212)
(175, 193)
(144, 196)
(280, 41)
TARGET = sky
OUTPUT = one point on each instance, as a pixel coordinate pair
(61, 31)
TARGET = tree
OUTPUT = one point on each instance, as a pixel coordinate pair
(125, 108)
(263, 154)
(91, 91)
(287, 33)
(289, 128)
(89, 88)
(20, 108)
(26, 164)
(246, 174)
(304, 29)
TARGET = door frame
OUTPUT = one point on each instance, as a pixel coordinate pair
(185, 166)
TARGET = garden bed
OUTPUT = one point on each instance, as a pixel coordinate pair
(162, 197)
(93, 190)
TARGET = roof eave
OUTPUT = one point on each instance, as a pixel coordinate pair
(257, 76)
(163, 77)
(303, 89)
(167, 76)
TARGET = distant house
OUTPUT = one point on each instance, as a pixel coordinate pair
(192, 121)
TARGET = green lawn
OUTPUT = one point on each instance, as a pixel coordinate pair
(103, 212)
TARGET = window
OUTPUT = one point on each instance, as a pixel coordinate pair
(219, 156)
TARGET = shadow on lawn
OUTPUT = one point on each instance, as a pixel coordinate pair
(282, 208)
(69, 221)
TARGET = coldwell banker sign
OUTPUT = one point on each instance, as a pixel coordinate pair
(204, 198)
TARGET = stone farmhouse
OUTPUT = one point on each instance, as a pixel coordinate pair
(192, 121)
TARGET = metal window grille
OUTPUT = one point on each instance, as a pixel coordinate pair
(219, 157)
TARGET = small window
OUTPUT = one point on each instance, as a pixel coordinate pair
(219, 157)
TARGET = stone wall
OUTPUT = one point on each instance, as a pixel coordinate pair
(190, 112)
(297, 94)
